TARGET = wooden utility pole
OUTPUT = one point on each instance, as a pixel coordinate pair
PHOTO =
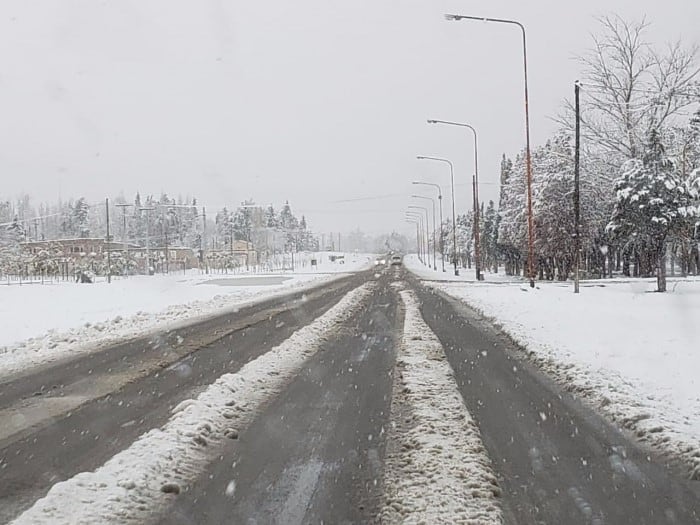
(477, 241)
(204, 239)
(124, 238)
(109, 252)
(577, 207)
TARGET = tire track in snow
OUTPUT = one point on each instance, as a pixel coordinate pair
(135, 485)
(437, 469)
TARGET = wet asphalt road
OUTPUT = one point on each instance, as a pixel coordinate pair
(182, 362)
(315, 453)
(557, 461)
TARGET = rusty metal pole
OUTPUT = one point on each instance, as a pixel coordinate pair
(475, 184)
(528, 157)
(530, 219)
(577, 201)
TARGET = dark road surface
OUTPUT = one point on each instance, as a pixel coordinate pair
(315, 453)
(557, 461)
(61, 446)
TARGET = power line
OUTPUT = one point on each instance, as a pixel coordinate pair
(601, 87)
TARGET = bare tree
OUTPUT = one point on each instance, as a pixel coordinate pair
(631, 88)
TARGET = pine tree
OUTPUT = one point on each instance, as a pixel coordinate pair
(652, 202)
(81, 211)
(290, 225)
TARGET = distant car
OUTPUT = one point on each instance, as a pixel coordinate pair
(396, 260)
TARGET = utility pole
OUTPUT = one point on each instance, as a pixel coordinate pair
(203, 244)
(477, 231)
(126, 245)
(109, 252)
(419, 244)
(577, 204)
(148, 238)
(167, 261)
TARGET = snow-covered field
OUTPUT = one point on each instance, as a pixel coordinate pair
(631, 352)
(133, 486)
(41, 323)
(437, 470)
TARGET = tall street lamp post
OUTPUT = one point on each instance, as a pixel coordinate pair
(419, 217)
(442, 248)
(454, 218)
(432, 201)
(477, 233)
(425, 231)
(415, 221)
(528, 158)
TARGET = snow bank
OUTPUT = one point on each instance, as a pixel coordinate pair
(134, 485)
(436, 470)
(631, 353)
(53, 320)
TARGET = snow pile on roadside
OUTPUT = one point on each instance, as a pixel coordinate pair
(86, 317)
(136, 484)
(436, 469)
(630, 353)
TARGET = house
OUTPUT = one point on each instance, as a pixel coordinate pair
(78, 248)
(164, 260)
(91, 253)
(241, 254)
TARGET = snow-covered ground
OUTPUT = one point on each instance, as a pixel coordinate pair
(134, 485)
(630, 352)
(437, 470)
(42, 323)
(412, 262)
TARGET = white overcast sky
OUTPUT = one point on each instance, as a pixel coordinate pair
(320, 102)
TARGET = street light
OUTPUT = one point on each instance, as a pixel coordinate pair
(477, 241)
(419, 249)
(415, 221)
(432, 201)
(528, 158)
(454, 219)
(442, 248)
(419, 217)
(427, 228)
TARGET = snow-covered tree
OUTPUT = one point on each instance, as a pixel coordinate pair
(652, 203)
(631, 88)
(489, 237)
(290, 225)
(80, 218)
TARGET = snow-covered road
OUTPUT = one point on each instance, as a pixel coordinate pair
(43, 323)
(631, 352)
(351, 402)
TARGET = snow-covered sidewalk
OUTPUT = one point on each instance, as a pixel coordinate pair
(436, 469)
(42, 323)
(630, 352)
